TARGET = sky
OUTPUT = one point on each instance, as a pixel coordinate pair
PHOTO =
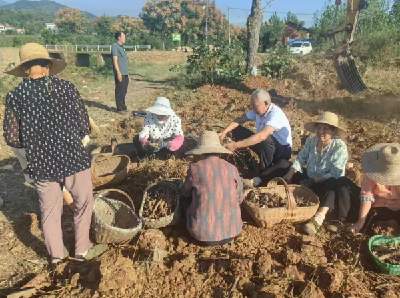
(133, 8)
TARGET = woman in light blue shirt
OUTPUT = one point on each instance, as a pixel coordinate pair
(320, 166)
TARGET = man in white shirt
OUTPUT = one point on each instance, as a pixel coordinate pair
(273, 140)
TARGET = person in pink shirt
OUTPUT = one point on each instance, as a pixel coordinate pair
(380, 186)
(163, 128)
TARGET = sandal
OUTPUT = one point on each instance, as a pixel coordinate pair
(312, 227)
(335, 226)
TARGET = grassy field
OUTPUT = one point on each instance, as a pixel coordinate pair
(293, 262)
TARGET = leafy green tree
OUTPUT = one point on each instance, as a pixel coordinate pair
(102, 26)
(49, 37)
(10, 32)
(395, 13)
(30, 29)
(275, 29)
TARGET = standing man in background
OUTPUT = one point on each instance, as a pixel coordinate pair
(121, 71)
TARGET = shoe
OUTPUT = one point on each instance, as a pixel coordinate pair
(56, 261)
(311, 228)
(94, 252)
(335, 226)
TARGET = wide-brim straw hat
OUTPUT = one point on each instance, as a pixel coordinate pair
(330, 119)
(34, 51)
(161, 107)
(381, 163)
(208, 144)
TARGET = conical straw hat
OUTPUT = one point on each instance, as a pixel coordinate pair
(327, 118)
(209, 143)
(381, 163)
(34, 51)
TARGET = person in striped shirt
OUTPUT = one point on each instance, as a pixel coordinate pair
(214, 192)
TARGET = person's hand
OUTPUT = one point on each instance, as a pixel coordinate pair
(144, 142)
(288, 178)
(307, 182)
(222, 135)
(231, 146)
(119, 77)
(356, 228)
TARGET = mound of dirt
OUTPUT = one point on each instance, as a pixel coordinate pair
(152, 239)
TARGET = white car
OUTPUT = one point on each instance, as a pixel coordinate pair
(301, 48)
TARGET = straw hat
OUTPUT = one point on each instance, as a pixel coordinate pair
(161, 107)
(381, 163)
(327, 118)
(34, 51)
(209, 143)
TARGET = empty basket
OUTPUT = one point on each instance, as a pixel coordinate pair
(114, 221)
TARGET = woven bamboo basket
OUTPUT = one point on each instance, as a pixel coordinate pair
(265, 217)
(169, 220)
(127, 149)
(114, 221)
(109, 170)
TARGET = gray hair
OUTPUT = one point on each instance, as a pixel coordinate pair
(261, 95)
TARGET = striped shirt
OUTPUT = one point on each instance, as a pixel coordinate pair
(217, 192)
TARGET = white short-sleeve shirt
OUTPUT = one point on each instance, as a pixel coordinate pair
(277, 119)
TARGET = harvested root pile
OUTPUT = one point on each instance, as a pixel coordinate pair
(274, 200)
(388, 253)
(160, 202)
(150, 171)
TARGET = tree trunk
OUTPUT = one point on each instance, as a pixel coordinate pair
(253, 34)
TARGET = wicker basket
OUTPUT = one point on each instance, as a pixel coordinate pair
(169, 220)
(114, 221)
(265, 217)
(127, 149)
(109, 170)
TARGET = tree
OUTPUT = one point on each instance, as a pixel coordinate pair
(294, 19)
(48, 36)
(10, 32)
(132, 27)
(102, 26)
(275, 29)
(187, 17)
(30, 29)
(253, 26)
(395, 13)
(71, 21)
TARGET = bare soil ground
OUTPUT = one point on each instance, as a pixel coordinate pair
(266, 263)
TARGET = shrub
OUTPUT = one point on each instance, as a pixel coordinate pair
(224, 65)
(278, 62)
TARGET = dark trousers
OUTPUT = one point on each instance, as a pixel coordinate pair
(344, 205)
(121, 88)
(385, 214)
(185, 203)
(270, 151)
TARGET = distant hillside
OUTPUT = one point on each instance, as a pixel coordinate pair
(47, 6)
(3, 3)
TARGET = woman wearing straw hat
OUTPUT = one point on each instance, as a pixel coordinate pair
(46, 116)
(215, 191)
(380, 186)
(325, 157)
(162, 133)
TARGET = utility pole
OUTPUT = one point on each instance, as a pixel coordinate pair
(229, 25)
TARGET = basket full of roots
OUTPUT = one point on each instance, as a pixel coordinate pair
(161, 205)
(280, 203)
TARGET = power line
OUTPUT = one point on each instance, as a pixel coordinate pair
(279, 12)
